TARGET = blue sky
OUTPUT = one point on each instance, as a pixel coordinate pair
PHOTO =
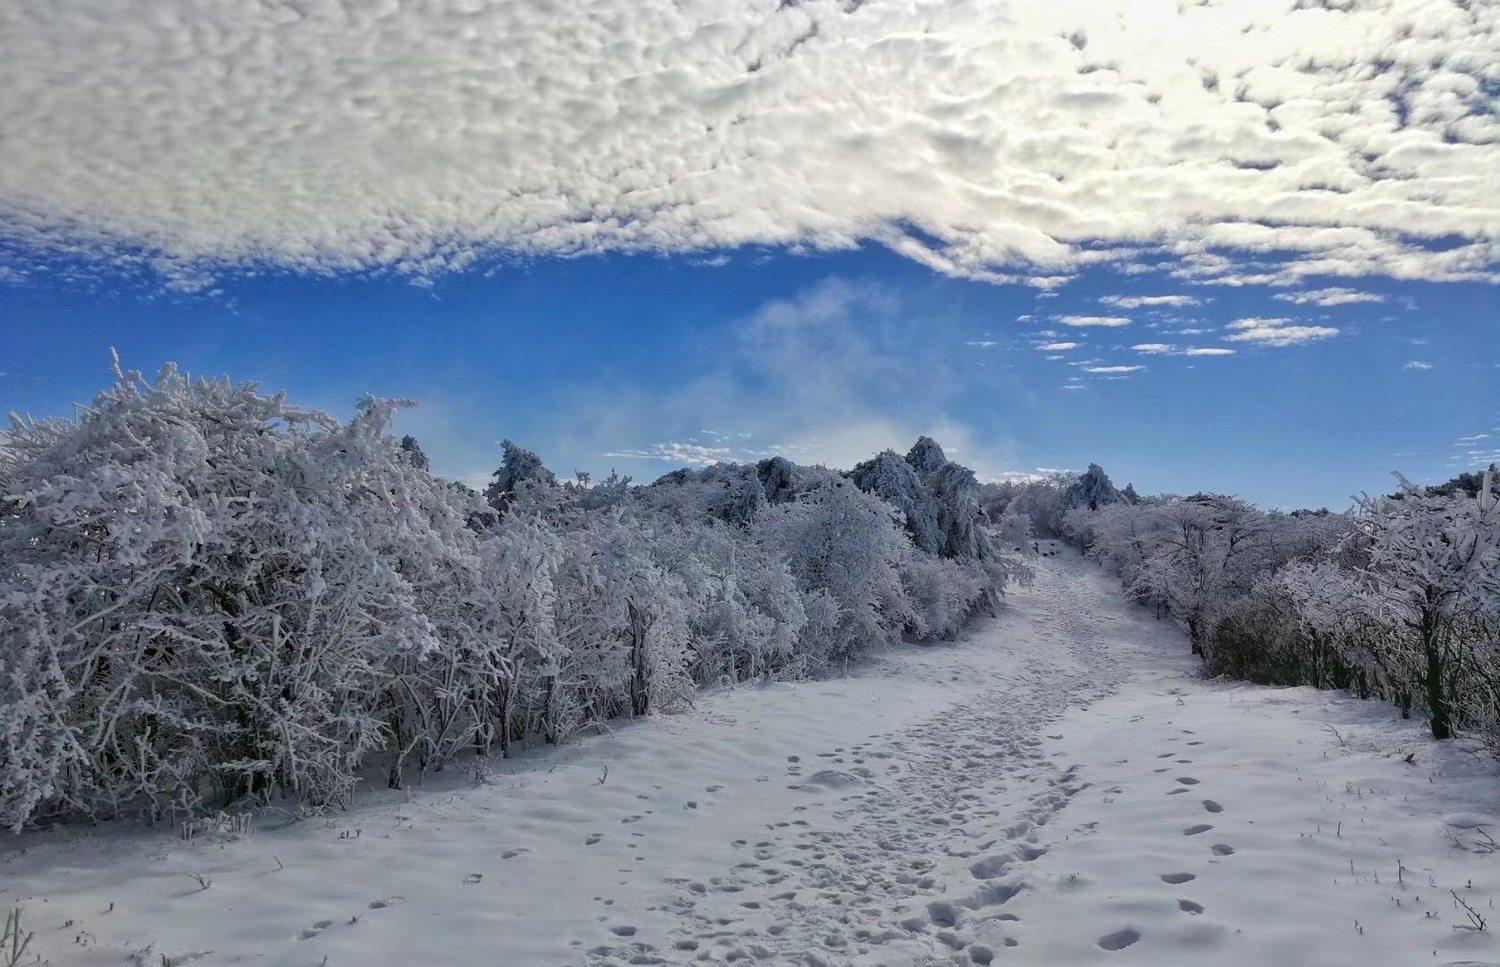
(1248, 246)
(639, 363)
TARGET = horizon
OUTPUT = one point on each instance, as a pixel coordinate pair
(642, 364)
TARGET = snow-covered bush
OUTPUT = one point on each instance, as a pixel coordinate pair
(1427, 593)
(202, 587)
(1400, 599)
(207, 594)
(849, 545)
(892, 479)
(746, 613)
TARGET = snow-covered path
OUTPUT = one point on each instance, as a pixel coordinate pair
(1057, 788)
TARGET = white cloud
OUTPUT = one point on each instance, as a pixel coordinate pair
(981, 343)
(1164, 349)
(1333, 296)
(1148, 301)
(1417, 364)
(1330, 139)
(1105, 321)
(1276, 332)
(676, 452)
(1057, 347)
(1114, 369)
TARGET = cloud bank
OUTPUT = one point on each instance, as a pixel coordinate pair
(994, 139)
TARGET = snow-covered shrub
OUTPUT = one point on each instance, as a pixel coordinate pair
(848, 544)
(208, 594)
(745, 612)
(201, 589)
(728, 492)
(1427, 590)
(1399, 600)
(892, 479)
(623, 621)
(945, 593)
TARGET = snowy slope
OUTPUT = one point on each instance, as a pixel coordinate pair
(1032, 795)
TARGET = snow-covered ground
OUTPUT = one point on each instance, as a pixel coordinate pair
(1058, 788)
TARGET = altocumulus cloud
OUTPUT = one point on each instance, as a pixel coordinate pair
(1022, 140)
(1276, 332)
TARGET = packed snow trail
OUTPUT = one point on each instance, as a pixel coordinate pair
(1058, 788)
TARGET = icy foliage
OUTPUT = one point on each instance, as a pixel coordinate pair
(204, 590)
(521, 477)
(1420, 609)
(1049, 500)
(1093, 489)
(1398, 599)
(893, 480)
(849, 545)
(926, 457)
(208, 594)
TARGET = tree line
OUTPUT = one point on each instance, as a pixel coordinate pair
(1398, 598)
(210, 595)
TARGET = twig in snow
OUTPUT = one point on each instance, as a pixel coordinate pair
(1476, 922)
(15, 939)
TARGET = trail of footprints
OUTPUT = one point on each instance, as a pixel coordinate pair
(825, 895)
(911, 808)
(1120, 939)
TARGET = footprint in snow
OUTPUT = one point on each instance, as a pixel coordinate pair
(1222, 849)
(1175, 878)
(1187, 780)
(1120, 939)
(1212, 806)
(1188, 906)
(1196, 828)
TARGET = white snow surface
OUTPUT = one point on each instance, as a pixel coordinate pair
(1060, 787)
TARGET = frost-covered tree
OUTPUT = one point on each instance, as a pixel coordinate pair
(413, 451)
(1191, 557)
(926, 457)
(962, 523)
(623, 621)
(893, 479)
(745, 612)
(1093, 489)
(849, 545)
(521, 477)
(727, 492)
(1430, 577)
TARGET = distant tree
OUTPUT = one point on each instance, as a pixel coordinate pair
(778, 479)
(413, 451)
(893, 479)
(926, 457)
(521, 475)
(1467, 484)
(1092, 490)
